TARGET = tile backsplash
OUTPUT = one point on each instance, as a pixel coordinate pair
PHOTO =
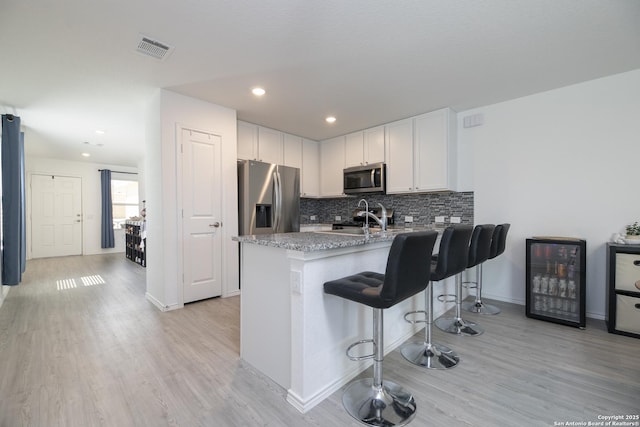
(423, 207)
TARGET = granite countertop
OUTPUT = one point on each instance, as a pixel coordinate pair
(318, 241)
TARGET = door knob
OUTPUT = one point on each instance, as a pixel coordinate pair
(215, 224)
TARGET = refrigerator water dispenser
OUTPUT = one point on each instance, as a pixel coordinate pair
(263, 216)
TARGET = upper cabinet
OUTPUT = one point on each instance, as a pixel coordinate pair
(247, 141)
(399, 156)
(292, 155)
(310, 171)
(332, 163)
(270, 145)
(259, 143)
(364, 147)
(421, 153)
(374, 145)
(435, 151)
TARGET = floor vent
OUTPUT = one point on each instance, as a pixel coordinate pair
(154, 48)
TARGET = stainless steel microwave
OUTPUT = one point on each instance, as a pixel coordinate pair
(365, 179)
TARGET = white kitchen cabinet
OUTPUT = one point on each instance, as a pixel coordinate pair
(259, 143)
(270, 145)
(310, 170)
(399, 156)
(435, 151)
(354, 149)
(364, 147)
(374, 143)
(292, 155)
(247, 141)
(421, 153)
(332, 163)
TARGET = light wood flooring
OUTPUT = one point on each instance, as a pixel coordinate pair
(102, 355)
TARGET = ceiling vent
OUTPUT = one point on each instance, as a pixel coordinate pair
(154, 48)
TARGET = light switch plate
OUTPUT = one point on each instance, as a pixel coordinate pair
(312, 218)
(440, 219)
(455, 220)
(408, 218)
(338, 218)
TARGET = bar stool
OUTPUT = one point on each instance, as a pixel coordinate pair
(478, 249)
(451, 260)
(369, 400)
(498, 245)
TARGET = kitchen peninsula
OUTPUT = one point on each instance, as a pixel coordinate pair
(294, 333)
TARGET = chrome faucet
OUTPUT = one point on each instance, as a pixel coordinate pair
(366, 217)
(381, 221)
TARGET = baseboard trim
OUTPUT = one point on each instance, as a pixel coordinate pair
(160, 305)
(231, 293)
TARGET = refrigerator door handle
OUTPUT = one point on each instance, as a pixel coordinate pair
(279, 207)
(276, 201)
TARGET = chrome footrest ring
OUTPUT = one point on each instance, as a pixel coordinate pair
(466, 285)
(447, 297)
(412, 321)
(355, 344)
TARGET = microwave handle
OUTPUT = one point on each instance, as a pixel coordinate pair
(373, 177)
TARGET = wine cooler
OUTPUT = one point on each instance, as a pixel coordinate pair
(556, 270)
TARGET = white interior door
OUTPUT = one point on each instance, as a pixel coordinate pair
(201, 215)
(56, 216)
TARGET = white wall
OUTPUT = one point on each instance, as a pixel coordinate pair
(167, 111)
(564, 163)
(91, 203)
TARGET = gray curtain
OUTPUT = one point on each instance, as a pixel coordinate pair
(13, 198)
(108, 241)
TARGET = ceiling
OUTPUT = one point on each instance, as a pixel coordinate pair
(70, 68)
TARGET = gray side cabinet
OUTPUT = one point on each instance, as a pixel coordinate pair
(623, 289)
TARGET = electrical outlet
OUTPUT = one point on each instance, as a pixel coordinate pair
(312, 218)
(338, 218)
(440, 219)
(408, 218)
(455, 220)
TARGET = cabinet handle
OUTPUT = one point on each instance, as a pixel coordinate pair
(636, 262)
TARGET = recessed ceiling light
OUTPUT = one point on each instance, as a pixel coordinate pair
(258, 91)
(330, 119)
(86, 155)
(100, 132)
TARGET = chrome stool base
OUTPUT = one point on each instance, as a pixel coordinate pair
(480, 308)
(458, 326)
(387, 405)
(430, 356)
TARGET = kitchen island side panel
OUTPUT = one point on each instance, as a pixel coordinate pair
(265, 321)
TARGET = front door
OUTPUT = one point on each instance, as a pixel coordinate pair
(201, 215)
(56, 216)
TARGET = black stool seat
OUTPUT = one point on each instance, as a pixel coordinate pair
(363, 287)
(369, 400)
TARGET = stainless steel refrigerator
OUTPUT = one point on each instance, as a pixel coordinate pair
(268, 198)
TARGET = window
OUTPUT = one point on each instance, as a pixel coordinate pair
(124, 199)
